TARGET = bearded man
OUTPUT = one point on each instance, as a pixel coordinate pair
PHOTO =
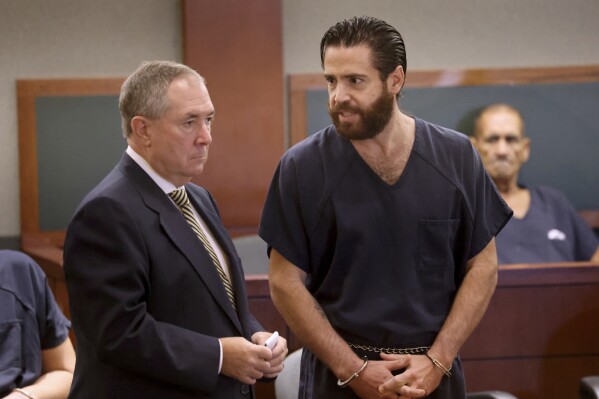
(381, 233)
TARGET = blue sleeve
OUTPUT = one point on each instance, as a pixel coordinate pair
(54, 326)
(585, 241)
(282, 226)
(27, 281)
(489, 211)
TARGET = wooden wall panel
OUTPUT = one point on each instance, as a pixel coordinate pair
(531, 378)
(538, 338)
(540, 334)
(27, 93)
(237, 47)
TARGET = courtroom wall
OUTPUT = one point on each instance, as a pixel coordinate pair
(87, 38)
(456, 34)
(72, 38)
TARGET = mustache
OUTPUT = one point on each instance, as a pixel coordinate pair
(343, 108)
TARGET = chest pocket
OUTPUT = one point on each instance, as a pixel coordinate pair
(436, 243)
(10, 351)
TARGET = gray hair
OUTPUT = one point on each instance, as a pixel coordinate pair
(494, 108)
(144, 91)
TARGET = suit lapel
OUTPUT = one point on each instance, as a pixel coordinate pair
(183, 237)
(212, 220)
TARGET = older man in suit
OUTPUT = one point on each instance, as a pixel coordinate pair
(155, 285)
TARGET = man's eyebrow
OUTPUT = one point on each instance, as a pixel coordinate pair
(198, 115)
(492, 136)
(506, 136)
(346, 76)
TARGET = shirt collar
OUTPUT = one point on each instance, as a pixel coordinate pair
(164, 184)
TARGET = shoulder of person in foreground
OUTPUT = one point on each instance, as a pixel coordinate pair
(25, 280)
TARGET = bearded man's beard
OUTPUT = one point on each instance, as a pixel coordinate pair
(371, 122)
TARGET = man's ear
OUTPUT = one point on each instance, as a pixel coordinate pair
(525, 149)
(474, 141)
(396, 80)
(139, 130)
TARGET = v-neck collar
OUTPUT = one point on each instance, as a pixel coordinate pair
(407, 165)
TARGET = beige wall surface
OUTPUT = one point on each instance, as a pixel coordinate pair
(455, 34)
(72, 38)
(88, 38)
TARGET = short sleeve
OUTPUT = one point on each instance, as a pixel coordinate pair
(54, 326)
(585, 241)
(282, 225)
(34, 292)
(34, 320)
(489, 211)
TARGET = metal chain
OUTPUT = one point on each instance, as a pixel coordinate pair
(421, 350)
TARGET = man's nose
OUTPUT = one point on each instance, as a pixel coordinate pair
(204, 135)
(339, 95)
(502, 146)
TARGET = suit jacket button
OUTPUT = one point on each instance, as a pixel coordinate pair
(245, 389)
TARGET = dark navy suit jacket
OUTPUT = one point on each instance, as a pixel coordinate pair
(147, 303)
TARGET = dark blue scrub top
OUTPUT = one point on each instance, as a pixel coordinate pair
(384, 262)
(30, 320)
(551, 231)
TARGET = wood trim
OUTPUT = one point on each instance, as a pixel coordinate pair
(519, 331)
(45, 247)
(257, 285)
(540, 323)
(473, 77)
(245, 80)
(69, 87)
(28, 181)
(591, 217)
(45, 253)
(548, 274)
(531, 378)
(298, 119)
(300, 83)
(27, 92)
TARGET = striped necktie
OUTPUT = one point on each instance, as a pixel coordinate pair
(180, 198)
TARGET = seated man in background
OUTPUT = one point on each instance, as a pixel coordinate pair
(36, 355)
(545, 227)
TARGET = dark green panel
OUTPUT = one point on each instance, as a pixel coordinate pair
(10, 242)
(79, 140)
(562, 121)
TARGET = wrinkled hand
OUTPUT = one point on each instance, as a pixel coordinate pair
(367, 384)
(279, 352)
(420, 378)
(244, 360)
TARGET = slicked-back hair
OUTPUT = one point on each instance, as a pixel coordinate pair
(144, 91)
(385, 42)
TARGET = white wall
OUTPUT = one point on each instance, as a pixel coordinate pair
(87, 38)
(72, 38)
(446, 34)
